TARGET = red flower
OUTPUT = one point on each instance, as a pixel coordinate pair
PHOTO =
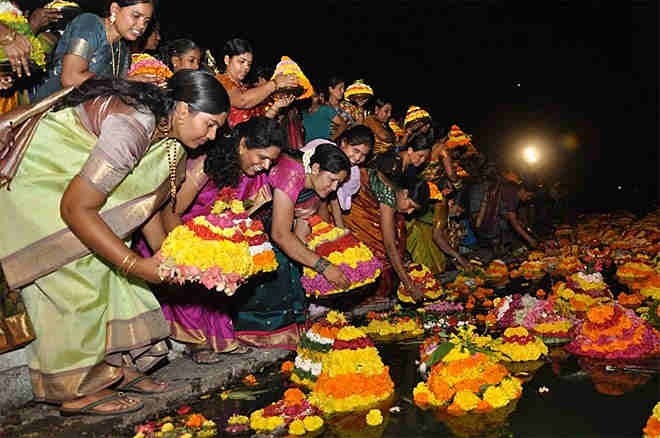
(183, 410)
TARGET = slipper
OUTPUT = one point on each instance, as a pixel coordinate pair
(131, 387)
(89, 409)
(215, 357)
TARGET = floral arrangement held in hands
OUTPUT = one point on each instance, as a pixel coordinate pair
(13, 18)
(145, 64)
(342, 249)
(221, 250)
(423, 278)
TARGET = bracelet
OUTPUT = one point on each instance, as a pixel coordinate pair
(128, 264)
(8, 38)
(321, 265)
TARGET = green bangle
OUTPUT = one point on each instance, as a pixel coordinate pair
(321, 265)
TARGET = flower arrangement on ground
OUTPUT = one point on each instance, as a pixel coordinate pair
(423, 278)
(610, 331)
(568, 265)
(530, 270)
(293, 414)
(497, 273)
(221, 250)
(634, 272)
(650, 287)
(313, 347)
(353, 376)
(145, 64)
(394, 325)
(574, 303)
(340, 248)
(652, 428)
(189, 425)
(466, 378)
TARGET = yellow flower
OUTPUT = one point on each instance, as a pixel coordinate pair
(335, 317)
(237, 206)
(496, 397)
(456, 353)
(374, 417)
(349, 333)
(511, 387)
(238, 419)
(186, 435)
(208, 424)
(313, 423)
(466, 400)
(167, 427)
(297, 427)
(516, 331)
(138, 435)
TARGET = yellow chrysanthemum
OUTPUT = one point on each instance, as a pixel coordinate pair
(297, 427)
(374, 417)
(496, 397)
(466, 400)
(313, 423)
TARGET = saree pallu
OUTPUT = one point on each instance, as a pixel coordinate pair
(419, 240)
(89, 319)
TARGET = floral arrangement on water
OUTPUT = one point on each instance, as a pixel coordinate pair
(518, 345)
(145, 64)
(353, 376)
(394, 324)
(186, 425)
(220, 250)
(423, 278)
(313, 347)
(530, 270)
(293, 413)
(572, 303)
(610, 331)
(342, 249)
(497, 272)
(466, 378)
(13, 18)
(652, 428)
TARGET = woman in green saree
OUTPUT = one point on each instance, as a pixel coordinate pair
(93, 173)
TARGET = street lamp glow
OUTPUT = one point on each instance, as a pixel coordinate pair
(531, 155)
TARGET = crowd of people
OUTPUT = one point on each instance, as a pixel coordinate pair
(125, 159)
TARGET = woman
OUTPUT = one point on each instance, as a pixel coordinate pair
(336, 88)
(320, 119)
(92, 46)
(377, 122)
(238, 57)
(96, 321)
(356, 143)
(354, 105)
(196, 317)
(380, 197)
(181, 54)
(404, 164)
(270, 313)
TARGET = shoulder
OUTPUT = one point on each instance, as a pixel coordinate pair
(327, 109)
(86, 21)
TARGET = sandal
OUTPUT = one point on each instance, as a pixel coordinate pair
(204, 356)
(131, 386)
(89, 409)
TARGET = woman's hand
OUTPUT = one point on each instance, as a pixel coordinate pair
(40, 18)
(413, 290)
(285, 81)
(18, 53)
(283, 101)
(336, 276)
(464, 263)
(6, 82)
(147, 269)
(149, 78)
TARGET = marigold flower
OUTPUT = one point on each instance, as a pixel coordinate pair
(374, 417)
(297, 427)
(195, 421)
(287, 367)
(250, 380)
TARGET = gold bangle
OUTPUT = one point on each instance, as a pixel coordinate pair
(131, 259)
(130, 267)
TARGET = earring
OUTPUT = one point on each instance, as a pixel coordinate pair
(113, 18)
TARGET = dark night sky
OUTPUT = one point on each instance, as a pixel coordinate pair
(585, 69)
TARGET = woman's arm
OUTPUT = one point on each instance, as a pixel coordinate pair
(515, 223)
(387, 227)
(440, 239)
(338, 126)
(17, 48)
(336, 213)
(283, 210)
(254, 96)
(79, 209)
(75, 70)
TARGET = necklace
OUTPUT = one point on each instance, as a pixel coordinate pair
(115, 64)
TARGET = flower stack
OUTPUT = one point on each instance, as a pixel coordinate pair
(634, 272)
(293, 414)
(353, 376)
(580, 292)
(13, 18)
(652, 428)
(287, 66)
(342, 249)
(610, 331)
(423, 278)
(650, 288)
(145, 64)
(497, 273)
(192, 425)
(220, 250)
(392, 326)
(314, 346)
(465, 379)
(568, 265)
(530, 270)
(522, 352)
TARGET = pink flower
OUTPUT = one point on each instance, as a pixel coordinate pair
(212, 277)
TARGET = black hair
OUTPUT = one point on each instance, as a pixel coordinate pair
(176, 48)
(419, 142)
(222, 163)
(358, 134)
(334, 81)
(235, 47)
(200, 90)
(125, 3)
(419, 192)
(379, 102)
(330, 158)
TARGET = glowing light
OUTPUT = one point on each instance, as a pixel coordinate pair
(619, 187)
(531, 155)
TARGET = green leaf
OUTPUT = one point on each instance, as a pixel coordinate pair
(439, 353)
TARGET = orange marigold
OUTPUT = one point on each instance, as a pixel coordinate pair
(195, 421)
(293, 396)
(287, 367)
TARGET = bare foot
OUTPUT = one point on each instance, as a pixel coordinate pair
(117, 405)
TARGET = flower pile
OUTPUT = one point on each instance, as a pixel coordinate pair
(570, 302)
(13, 18)
(188, 425)
(342, 249)
(530, 270)
(634, 272)
(497, 273)
(650, 288)
(353, 377)
(613, 332)
(220, 250)
(145, 64)
(423, 278)
(392, 325)
(465, 379)
(314, 346)
(652, 428)
(568, 265)
(293, 413)
(518, 345)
